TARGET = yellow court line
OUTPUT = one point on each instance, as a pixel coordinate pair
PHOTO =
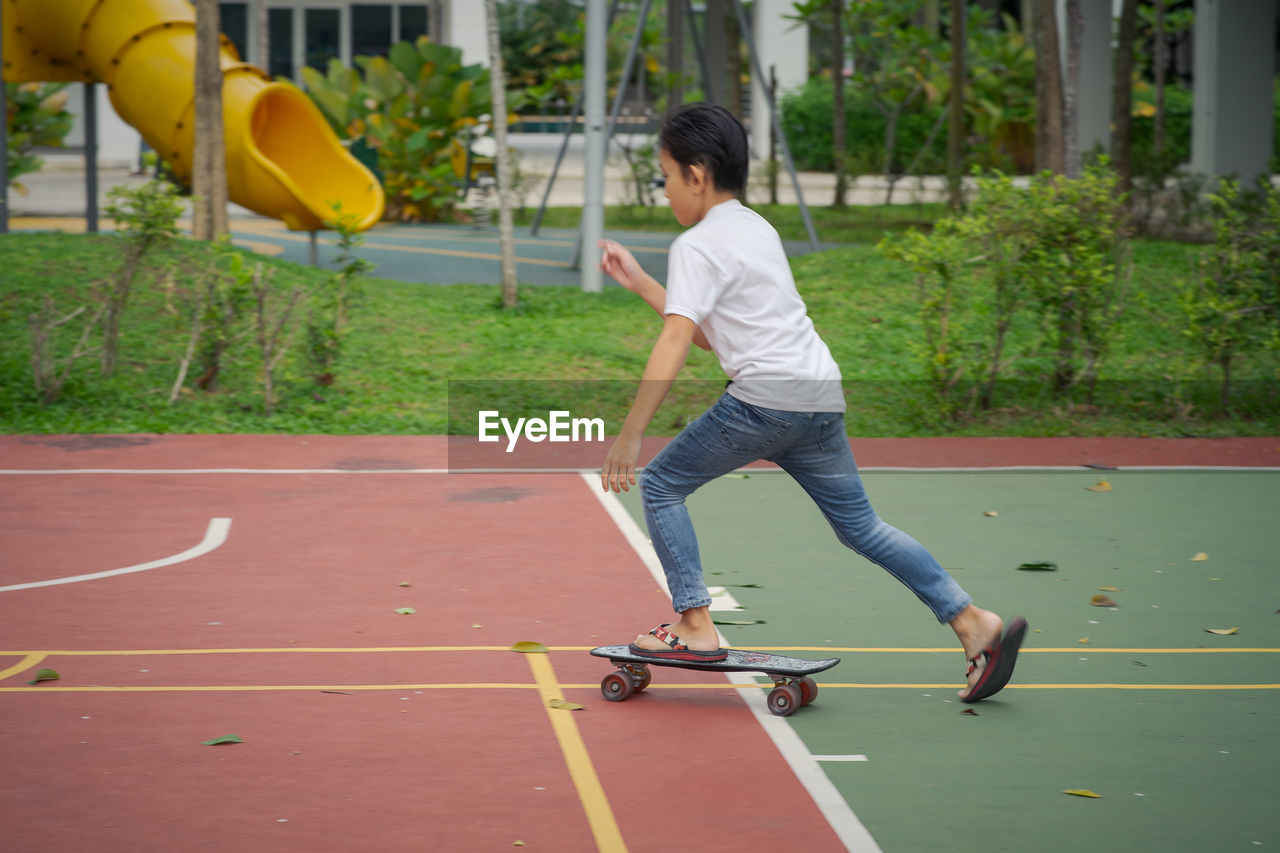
(822, 649)
(230, 688)
(29, 660)
(423, 250)
(1025, 650)
(599, 815)
(268, 651)
(352, 688)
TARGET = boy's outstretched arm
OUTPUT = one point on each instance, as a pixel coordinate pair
(665, 361)
(620, 265)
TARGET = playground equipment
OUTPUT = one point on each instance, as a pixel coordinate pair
(283, 159)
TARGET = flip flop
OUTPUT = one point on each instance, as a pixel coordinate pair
(1000, 658)
(679, 649)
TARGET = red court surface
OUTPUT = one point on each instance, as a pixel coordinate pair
(365, 729)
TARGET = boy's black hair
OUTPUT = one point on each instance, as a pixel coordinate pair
(710, 136)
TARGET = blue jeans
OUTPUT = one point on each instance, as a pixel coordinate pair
(810, 446)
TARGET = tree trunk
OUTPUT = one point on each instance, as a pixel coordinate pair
(1049, 148)
(675, 52)
(209, 163)
(955, 130)
(262, 23)
(1071, 91)
(839, 123)
(502, 160)
(733, 69)
(1160, 60)
(1122, 97)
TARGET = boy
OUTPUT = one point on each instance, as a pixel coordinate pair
(730, 290)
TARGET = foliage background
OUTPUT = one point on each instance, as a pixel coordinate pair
(408, 340)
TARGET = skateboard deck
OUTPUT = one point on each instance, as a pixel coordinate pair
(793, 687)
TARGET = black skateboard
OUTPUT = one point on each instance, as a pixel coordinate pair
(793, 688)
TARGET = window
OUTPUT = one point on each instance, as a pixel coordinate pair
(323, 31)
(280, 23)
(413, 22)
(370, 30)
(234, 19)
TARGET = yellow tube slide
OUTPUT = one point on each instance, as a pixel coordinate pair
(283, 159)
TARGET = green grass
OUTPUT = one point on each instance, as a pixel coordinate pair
(410, 340)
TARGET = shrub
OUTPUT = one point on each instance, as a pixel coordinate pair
(1035, 276)
(1231, 301)
(35, 115)
(410, 108)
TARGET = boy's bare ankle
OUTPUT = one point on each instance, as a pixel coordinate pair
(695, 628)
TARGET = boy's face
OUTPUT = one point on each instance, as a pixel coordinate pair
(685, 193)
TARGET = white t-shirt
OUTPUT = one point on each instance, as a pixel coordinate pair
(729, 274)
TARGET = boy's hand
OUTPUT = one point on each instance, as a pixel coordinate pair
(619, 469)
(620, 265)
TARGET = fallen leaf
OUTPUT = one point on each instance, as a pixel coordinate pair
(224, 739)
(1102, 601)
(991, 513)
(1138, 663)
(405, 583)
(1082, 792)
(562, 705)
(1041, 566)
(529, 647)
(1199, 557)
(1222, 632)
(969, 712)
(477, 625)
(1109, 588)
(44, 675)
(405, 611)
(1100, 486)
(1084, 641)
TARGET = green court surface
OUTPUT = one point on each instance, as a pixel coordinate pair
(1176, 728)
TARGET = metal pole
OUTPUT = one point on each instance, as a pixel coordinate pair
(616, 110)
(745, 28)
(564, 146)
(313, 252)
(91, 157)
(699, 53)
(594, 83)
(555, 170)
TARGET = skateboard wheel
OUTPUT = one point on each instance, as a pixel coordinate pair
(617, 686)
(784, 700)
(808, 690)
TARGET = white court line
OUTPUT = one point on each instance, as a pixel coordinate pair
(864, 469)
(828, 799)
(214, 536)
